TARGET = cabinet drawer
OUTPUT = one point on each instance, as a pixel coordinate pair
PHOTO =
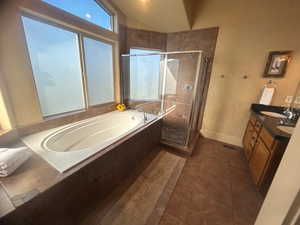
(253, 120)
(249, 140)
(258, 126)
(267, 138)
(253, 139)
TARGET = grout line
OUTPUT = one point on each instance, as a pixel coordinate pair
(165, 196)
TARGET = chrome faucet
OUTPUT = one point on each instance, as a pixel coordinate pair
(139, 109)
(289, 113)
(292, 115)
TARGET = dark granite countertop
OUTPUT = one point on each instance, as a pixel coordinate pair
(270, 123)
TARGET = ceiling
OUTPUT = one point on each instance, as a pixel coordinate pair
(158, 15)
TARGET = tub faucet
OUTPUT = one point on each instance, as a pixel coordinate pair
(139, 109)
(145, 117)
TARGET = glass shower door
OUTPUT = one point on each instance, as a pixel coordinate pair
(180, 80)
(166, 84)
(143, 80)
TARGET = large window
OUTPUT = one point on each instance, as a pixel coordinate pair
(55, 60)
(89, 10)
(145, 79)
(99, 68)
(56, 64)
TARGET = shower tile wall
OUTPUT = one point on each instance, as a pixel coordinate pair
(176, 124)
(134, 38)
(146, 39)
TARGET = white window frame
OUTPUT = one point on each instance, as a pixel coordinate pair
(80, 34)
(104, 5)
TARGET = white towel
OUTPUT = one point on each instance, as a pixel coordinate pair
(267, 95)
(11, 159)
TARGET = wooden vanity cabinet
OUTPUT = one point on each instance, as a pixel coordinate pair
(250, 138)
(259, 161)
(263, 153)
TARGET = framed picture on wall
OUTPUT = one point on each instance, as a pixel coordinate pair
(277, 63)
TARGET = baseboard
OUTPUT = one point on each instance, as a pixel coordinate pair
(228, 139)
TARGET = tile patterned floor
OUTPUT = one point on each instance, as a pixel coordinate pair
(215, 188)
(143, 202)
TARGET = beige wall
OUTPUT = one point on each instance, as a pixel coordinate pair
(15, 67)
(15, 63)
(6, 115)
(284, 189)
(248, 31)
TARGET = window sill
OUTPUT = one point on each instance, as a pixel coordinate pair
(8, 137)
(2, 132)
(56, 116)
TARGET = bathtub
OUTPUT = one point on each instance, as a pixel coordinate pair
(66, 146)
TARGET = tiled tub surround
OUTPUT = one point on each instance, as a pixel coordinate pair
(39, 194)
(64, 147)
(152, 107)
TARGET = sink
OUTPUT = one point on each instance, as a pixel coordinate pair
(273, 114)
(286, 129)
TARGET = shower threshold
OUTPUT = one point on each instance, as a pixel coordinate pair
(185, 150)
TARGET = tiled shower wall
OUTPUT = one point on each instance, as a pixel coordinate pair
(133, 38)
(203, 39)
(144, 39)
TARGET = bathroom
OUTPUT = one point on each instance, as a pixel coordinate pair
(149, 112)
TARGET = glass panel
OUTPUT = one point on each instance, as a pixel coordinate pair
(99, 68)
(145, 75)
(88, 10)
(181, 76)
(177, 72)
(171, 78)
(55, 60)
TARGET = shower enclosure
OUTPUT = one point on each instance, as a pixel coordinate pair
(170, 84)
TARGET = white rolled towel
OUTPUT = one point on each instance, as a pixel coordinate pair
(11, 159)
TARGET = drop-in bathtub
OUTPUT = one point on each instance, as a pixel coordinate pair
(64, 147)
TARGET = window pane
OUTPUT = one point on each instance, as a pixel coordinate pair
(88, 10)
(55, 60)
(144, 75)
(99, 68)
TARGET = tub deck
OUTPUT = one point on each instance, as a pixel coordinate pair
(36, 187)
(66, 146)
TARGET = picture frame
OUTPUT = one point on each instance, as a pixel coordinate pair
(277, 63)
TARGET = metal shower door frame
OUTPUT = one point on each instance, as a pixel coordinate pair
(195, 87)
